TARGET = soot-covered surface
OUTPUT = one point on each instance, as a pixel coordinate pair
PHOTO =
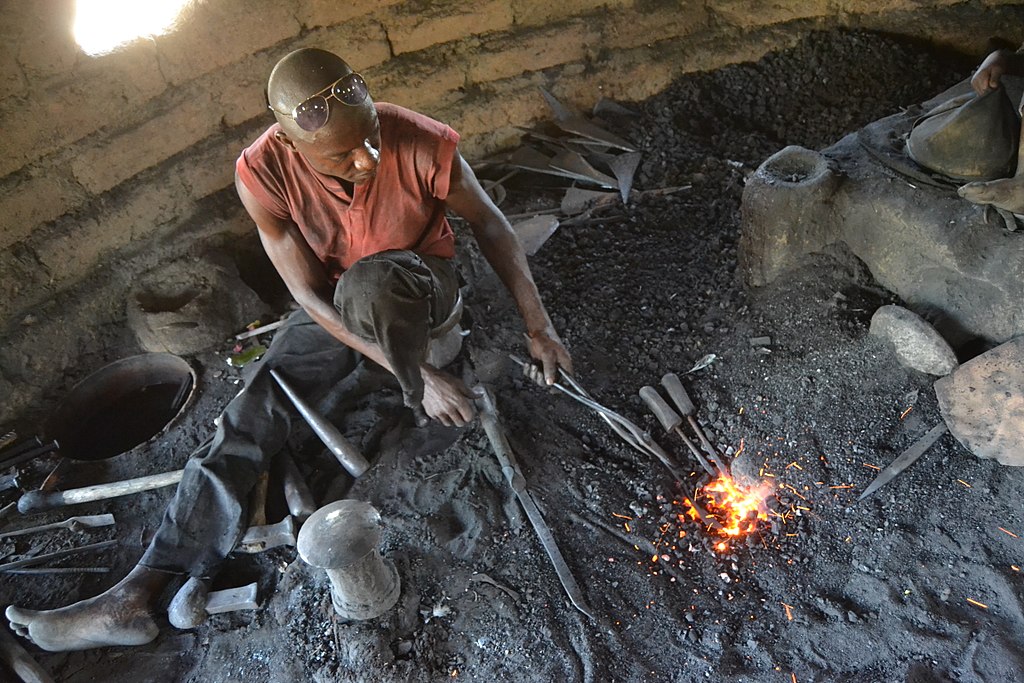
(878, 591)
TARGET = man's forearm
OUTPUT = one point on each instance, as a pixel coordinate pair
(502, 250)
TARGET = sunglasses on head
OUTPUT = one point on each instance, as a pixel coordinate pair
(312, 113)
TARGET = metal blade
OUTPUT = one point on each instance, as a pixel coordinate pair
(905, 460)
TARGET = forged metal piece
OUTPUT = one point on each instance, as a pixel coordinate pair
(29, 561)
(670, 421)
(678, 394)
(267, 536)
(509, 466)
(74, 523)
(579, 168)
(905, 460)
(232, 599)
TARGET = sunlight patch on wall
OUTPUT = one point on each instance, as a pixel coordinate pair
(102, 25)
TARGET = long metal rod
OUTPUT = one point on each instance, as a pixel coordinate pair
(509, 466)
(626, 429)
(28, 561)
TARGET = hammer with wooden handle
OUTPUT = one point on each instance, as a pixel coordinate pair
(41, 501)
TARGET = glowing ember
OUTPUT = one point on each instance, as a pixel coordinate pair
(729, 508)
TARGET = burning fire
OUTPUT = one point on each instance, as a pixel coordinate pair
(729, 508)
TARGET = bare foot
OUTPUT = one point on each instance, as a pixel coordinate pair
(120, 616)
(1005, 193)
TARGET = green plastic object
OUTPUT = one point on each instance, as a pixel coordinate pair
(240, 360)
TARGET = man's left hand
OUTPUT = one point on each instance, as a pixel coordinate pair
(547, 349)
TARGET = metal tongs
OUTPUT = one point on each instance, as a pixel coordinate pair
(627, 430)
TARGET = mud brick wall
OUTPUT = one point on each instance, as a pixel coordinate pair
(114, 161)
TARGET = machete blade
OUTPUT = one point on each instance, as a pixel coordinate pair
(905, 460)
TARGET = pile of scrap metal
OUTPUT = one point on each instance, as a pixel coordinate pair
(595, 167)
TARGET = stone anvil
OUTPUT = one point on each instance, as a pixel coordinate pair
(918, 238)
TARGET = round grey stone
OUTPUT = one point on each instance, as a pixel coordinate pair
(916, 343)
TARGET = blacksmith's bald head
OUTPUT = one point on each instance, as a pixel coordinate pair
(302, 74)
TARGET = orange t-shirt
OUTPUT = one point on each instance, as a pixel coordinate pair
(401, 207)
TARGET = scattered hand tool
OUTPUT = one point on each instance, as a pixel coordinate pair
(38, 559)
(510, 467)
(41, 501)
(232, 599)
(19, 660)
(25, 456)
(682, 400)
(73, 523)
(194, 602)
(343, 449)
(9, 481)
(670, 421)
(7, 439)
(23, 447)
(627, 430)
(905, 460)
(301, 503)
(260, 538)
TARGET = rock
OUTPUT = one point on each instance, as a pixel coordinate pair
(983, 403)
(917, 344)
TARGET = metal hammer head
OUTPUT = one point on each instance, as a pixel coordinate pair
(232, 599)
(260, 538)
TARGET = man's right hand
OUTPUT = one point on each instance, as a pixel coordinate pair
(991, 70)
(446, 399)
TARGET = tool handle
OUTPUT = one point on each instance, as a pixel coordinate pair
(300, 500)
(344, 450)
(666, 416)
(20, 661)
(678, 394)
(41, 501)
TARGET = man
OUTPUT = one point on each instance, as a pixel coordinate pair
(340, 190)
(1004, 193)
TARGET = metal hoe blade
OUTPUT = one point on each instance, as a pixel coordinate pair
(905, 460)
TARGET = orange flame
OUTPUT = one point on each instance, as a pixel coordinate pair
(734, 508)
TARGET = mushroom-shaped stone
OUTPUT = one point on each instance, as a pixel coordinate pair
(917, 344)
(342, 538)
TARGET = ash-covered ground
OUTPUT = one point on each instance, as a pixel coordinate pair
(917, 584)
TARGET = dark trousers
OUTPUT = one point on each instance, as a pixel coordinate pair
(393, 299)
